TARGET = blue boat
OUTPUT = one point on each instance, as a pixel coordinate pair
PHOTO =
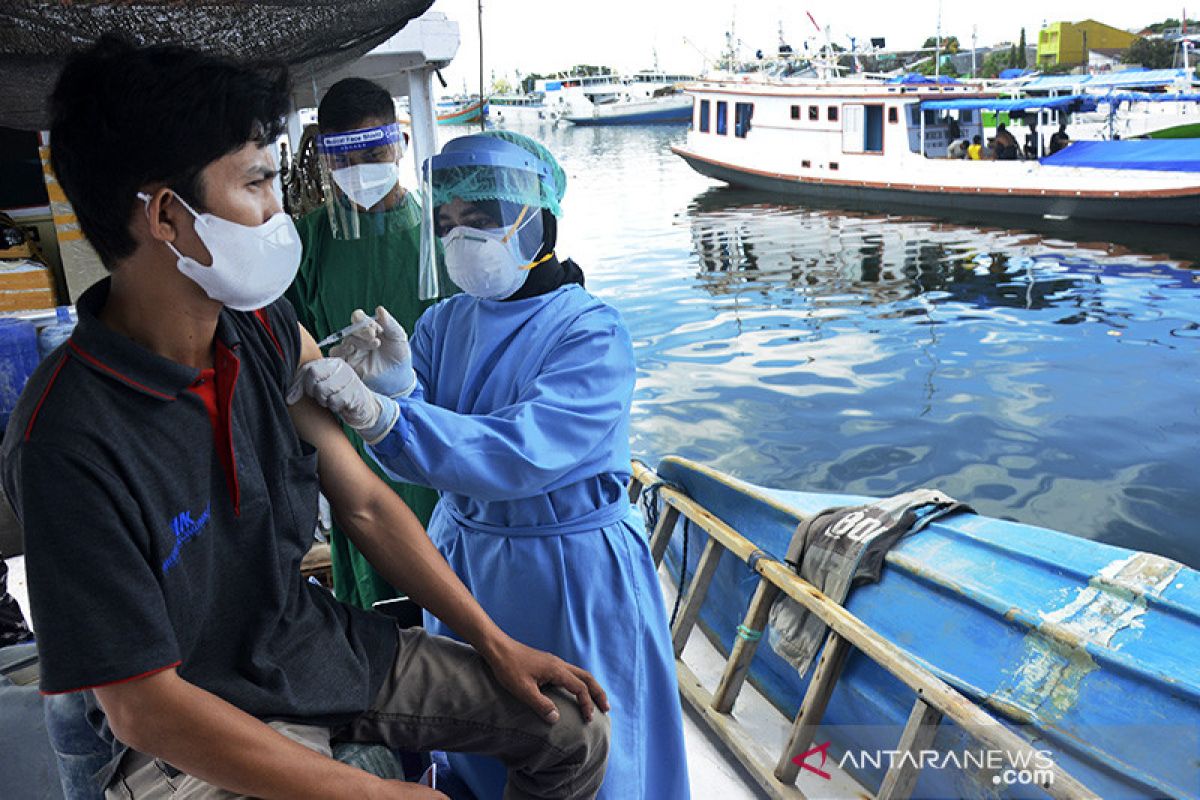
(1087, 650)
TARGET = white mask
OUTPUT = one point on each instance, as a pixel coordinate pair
(367, 184)
(482, 264)
(253, 265)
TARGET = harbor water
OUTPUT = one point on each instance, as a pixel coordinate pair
(1047, 376)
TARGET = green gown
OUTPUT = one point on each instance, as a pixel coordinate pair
(336, 277)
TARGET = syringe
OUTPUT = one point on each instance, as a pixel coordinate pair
(337, 336)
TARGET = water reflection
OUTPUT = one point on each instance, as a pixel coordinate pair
(1049, 374)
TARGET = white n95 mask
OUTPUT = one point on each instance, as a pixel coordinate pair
(483, 264)
(367, 184)
(253, 265)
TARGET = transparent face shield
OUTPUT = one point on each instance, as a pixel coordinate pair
(360, 176)
(487, 186)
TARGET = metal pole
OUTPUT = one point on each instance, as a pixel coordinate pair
(482, 101)
(937, 46)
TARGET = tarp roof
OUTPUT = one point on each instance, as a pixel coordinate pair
(1125, 79)
(1172, 155)
(311, 36)
(1074, 102)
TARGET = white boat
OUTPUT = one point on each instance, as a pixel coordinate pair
(647, 97)
(872, 141)
(520, 109)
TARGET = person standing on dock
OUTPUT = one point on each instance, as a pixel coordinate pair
(513, 400)
(361, 248)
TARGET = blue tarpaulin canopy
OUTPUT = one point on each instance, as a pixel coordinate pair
(1129, 79)
(1170, 155)
(916, 78)
(1074, 102)
(1149, 97)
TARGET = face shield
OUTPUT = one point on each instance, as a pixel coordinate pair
(482, 195)
(360, 173)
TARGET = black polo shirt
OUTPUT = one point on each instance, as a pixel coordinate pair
(165, 519)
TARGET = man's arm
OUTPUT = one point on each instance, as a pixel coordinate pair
(392, 539)
(199, 733)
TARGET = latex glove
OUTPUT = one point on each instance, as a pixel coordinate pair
(335, 385)
(379, 353)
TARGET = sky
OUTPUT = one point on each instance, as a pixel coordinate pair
(543, 36)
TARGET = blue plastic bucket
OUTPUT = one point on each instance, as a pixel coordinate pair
(18, 358)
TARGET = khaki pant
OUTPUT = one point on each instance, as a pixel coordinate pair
(440, 696)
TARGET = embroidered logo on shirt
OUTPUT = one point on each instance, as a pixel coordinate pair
(185, 529)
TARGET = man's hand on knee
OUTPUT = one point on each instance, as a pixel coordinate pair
(523, 671)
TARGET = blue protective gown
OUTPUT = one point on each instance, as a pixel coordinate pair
(523, 426)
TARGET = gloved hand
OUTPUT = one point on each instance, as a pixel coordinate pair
(335, 385)
(379, 353)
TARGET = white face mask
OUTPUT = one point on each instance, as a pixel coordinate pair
(367, 184)
(482, 264)
(252, 265)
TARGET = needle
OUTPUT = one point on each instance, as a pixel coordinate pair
(337, 336)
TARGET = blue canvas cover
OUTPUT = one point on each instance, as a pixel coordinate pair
(1171, 155)
(1074, 102)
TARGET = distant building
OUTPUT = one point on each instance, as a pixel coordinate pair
(1105, 59)
(1069, 43)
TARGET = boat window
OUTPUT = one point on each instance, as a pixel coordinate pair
(832, 113)
(966, 116)
(704, 110)
(742, 112)
(892, 115)
(722, 113)
(814, 113)
(795, 112)
(833, 165)
(805, 164)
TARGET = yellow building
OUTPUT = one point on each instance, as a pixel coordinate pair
(1070, 42)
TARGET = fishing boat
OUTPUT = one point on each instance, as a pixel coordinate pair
(1082, 651)
(847, 139)
(462, 111)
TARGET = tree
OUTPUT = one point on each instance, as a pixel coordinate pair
(1150, 53)
(949, 44)
(995, 61)
(1021, 62)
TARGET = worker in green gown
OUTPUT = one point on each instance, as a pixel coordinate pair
(361, 250)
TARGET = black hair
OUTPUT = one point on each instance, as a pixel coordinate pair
(977, 140)
(351, 102)
(123, 117)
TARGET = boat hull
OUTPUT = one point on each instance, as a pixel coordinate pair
(1087, 649)
(1168, 209)
(663, 116)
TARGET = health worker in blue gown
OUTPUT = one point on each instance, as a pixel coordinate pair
(513, 402)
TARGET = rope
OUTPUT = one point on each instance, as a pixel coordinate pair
(749, 634)
(683, 565)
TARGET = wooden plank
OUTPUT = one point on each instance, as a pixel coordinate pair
(812, 710)
(662, 533)
(635, 490)
(696, 592)
(738, 665)
(749, 753)
(918, 735)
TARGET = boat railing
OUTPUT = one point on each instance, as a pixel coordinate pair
(934, 699)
